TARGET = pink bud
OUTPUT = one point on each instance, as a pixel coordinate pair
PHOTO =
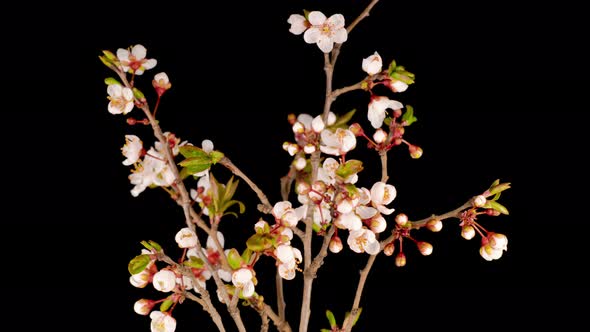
(389, 249)
(415, 151)
(468, 232)
(400, 260)
(356, 129)
(335, 245)
(143, 306)
(401, 219)
(434, 225)
(298, 128)
(479, 201)
(424, 247)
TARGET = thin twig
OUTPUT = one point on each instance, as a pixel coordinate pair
(364, 14)
(266, 206)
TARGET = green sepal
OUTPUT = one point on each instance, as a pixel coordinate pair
(111, 81)
(341, 121)
(247, 256)
(155, 245)
(164, 306)
(216, 156)
(259, 242)
(408, 116)
(138, 263)
(331, 319)
(194, 262)
(138, 94)
(349, 168)
(234, 259)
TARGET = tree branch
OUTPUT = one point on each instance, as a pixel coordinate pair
(266, 206)
(364, 14)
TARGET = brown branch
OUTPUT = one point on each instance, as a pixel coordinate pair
(281, 305)
(364, 14)
(319, 258)
(282, 325)
(265, 207)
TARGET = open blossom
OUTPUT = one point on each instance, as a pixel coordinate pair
(161, 83)
(325, 31)
(153, 170)
(287, 258)
(121, 99)
(378, 108)
(132, 149)
(363, 240)
(372, 64)
(337, 143)
(162, 322)
(493, 246)
(164, 280)
(242, 278)
(381, 195)
(186, 238)
(134, 62)
(298, 24)
(327, 172)
(284, 212)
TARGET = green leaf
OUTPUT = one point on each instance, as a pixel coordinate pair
(234, 259)
(331, 318)
(498, 207)
(387, 121)
(196, 164)
(498, 188)
(306, 14)
(259, 242)
(495, 183)
(110, 56)
(164, 306)
(341, 121)
(216, 156)
(191, 151)
(230, 189)
(349, 168)
(247, 256)
(138, 94)
(155, 245)
(325, 330)
(111, 81)
(194, 262)
(391, 68)
(146, 245)
(138, 264)
(408, 116)
(352, 190)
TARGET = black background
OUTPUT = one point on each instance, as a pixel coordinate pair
(500, 93)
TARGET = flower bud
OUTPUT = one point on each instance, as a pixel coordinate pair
(317, 124)
(400, 260)
(379, 136)
(302, 188)
(479, 201)
(298, 128)
(164, 280)
(468, 232)
(299, 163)
(356, 129)
(292, 118)
(492, 212)
(331, 118)
(309, 148)
(397, 113)
(335, 245)
(498, 241)
(401, 219)
(434, 225)
(389, 249)
(415, 151)
(143, 306)
(424, 247)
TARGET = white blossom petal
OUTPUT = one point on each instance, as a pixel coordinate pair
(316, 17)
(340, 36)
(325, 43)
(336, 20)
(298, 24)
(312, 35)
(139, 51)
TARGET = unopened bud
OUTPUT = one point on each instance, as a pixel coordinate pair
(302, 188)
(291, 148)
(389, 249)
(143, 306)
(356, 129)
(331, 118)
(434, 225)
(298, 128)
(299, 163)
(131, 121)
(415, 151)
(399, 132)
(397, 113)
(335, 244)
(309, 148)
(397, 141)
(401, 219)
(380, 136)
(317, 124)
(292, 119)
(468, 232)
(492, 212)
(425, 248)
(400, 259)
(479, 201)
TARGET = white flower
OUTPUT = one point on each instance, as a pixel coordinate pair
(378, 224)
(325, 32)
(211, 243)
(337, 143)
(317, 124)
(379, 136)
(152, 171)
(164, 280)
(298, 24)
(378, 107)
(132, 149)
(398, 86)
(121, 99)
(350, 221)
(162, 322)
(373, 64)
(363, 240)
(381, 195)
(135, 62)
(141, 279)
(185, 281)
(288, 257)
(161, 83)
(284, 212)
(498, 241)
(489, 253)
(143, 306)
(186, 238)
(299, 163)
(242, 279)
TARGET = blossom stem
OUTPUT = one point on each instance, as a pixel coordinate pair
(157, 105)
(265, 207)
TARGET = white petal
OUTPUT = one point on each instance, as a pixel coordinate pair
(248, 289)
(312, 35)
(372, 248)
(127, 93)
(316, 17)
(336, 20)
(330, 150)
(376, 116)
(286, 273)
(138, 51)
(340, 36)
(149, 64)
(224, 275)
(326, 44)
(394, 105)
(114, 90)
(297, 24)
(211, 243)
(385, 210)
(366, 212)
(128, 108)
(207, 145)
(123, 54)
(162, 77)
(114, 110)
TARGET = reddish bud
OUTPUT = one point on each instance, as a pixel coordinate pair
(415, 151)
(424, 247)
(397, 113)
(397, 141)
(131, 121)
(434, 225)
(492, 212)
(291, 118)
(335, 244)
(356, 129)
(400, 260)
(389, 249)
(401, 219)
(468, 232)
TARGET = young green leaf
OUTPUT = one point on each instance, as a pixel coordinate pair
(191, 151)
(408, 116)
(194, 262)
(331, 319)
(234, 259)
(111, 81)
(498, 207)
(341, 121)
(349, 168)
(164, 306)
(138, 264)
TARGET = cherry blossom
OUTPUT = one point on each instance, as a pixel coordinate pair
(162, 322)
(298, 24)
(121, 99)
(378, 108)
(363, 240)
(143, 306)
(493, 246)
(287, 257)
(337, 143)
(242, 279)
(284, 212)
(134, 62)
(161, 83)
(325, 31)
(381, 195)
(164, 280)
(132, 149)
(372, 64)
(186, 238)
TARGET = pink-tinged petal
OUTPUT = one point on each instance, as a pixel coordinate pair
(366, 212)
(340, 36)
(312, 35)
(316, 18)
(123, 54)
(114, 90)
(372, 248)
(330, 150)
(128, 108)
(286, 273)
(114, 109)
(305, 119)
(326, 44)
(139, 71)
(138, 51)
(298, 24)
(149, 64)
(394, 104)
(385, 210)
(337, 21)
(127, 93)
